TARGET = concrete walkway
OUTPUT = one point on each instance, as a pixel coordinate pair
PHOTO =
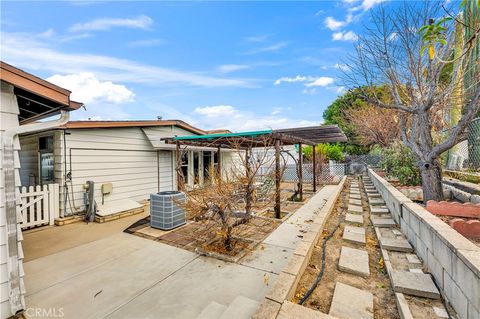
(125, 276)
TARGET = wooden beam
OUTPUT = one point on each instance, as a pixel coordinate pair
(300, 172)
(249, 188)
(219, 164)
(278, 180)
(314, 169)
(180, 178)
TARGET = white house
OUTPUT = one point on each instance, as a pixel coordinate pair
(129, 155)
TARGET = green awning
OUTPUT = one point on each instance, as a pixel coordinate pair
(222, 135)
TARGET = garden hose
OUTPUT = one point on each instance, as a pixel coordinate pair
(322, 270)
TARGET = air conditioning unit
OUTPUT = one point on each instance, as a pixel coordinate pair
(166, 210)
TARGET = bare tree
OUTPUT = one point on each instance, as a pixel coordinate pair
(391, 52)
(232, 196)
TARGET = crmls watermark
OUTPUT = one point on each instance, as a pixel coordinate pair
(44, 312)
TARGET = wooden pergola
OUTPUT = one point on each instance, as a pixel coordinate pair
(247, 141)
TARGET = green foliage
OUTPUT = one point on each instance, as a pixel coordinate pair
(433, 33)
(398, 161)
(325, 151)
(335, 114)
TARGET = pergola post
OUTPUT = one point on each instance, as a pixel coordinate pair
(314, 169)
(300, 172)
(180, 179)
(249, 190)
(219, 164)
(278, 179)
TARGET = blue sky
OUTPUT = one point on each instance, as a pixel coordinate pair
(234, 65)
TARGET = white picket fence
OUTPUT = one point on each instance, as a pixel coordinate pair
(39, 205)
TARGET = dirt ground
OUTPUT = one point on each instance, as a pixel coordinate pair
(377, 283)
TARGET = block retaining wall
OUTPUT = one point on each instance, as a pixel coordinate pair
(453, 260)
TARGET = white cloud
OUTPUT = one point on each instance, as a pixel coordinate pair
(216, 111)
(333, 24)
(270, 48)
(102, 24)
(367, 5)
(146, 43)
(310, 80)
(88, 89)
(229, 117)
(298, 78)
(227, 68)
(41, 57)
(321, 81)
(344, 36)
(342, 67)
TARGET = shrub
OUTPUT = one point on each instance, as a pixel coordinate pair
(325, 152)
(398, 161)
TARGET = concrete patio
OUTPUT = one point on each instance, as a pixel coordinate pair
(125, 276)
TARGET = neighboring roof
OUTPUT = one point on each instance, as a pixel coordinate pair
(218, 131)
(145, 123)
(36, 97)
(306, 135)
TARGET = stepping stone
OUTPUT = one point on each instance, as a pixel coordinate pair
(413, 259)
(355, 202)
(373, 194)
(440, 312)
(355, 196)
(382, 222)
(354, 189)
(376, 201)
(414, 284)
(350, 302)
(375, 210)
(416, 270)
(355, 209)
(354, 261)
(354, 234)
(370, 188)
(354, 192)
(397, 232)
(353, 218)
(396, 244)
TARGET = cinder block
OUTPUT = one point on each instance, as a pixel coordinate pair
(442, 253)
(435, 268)
(473, 313)
(421, 249)
(426, 234)
(455, 296)
(467, 280)
(414, 223)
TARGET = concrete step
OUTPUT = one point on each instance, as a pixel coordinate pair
(353, 201)
(396, 244)
(376, 210)
(380, 221)
(212, 311)
(373, 194)
(415, 284)
(240, 308)
(376, 201)
(355, 196)
(355, 209)
(354, 234)
(354, 218)
(354, 261)
(350, 302)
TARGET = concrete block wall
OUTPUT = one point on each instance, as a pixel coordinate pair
(453, 260)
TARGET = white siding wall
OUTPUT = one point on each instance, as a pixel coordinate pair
(29, 160)
(121, 156)
(8, 119)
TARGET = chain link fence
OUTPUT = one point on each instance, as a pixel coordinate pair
(465, 156)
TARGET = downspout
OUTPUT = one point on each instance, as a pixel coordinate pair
(13, 266)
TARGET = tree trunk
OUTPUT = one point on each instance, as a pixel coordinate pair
(431, 181)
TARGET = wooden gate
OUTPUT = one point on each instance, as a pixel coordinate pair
(39, 205)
